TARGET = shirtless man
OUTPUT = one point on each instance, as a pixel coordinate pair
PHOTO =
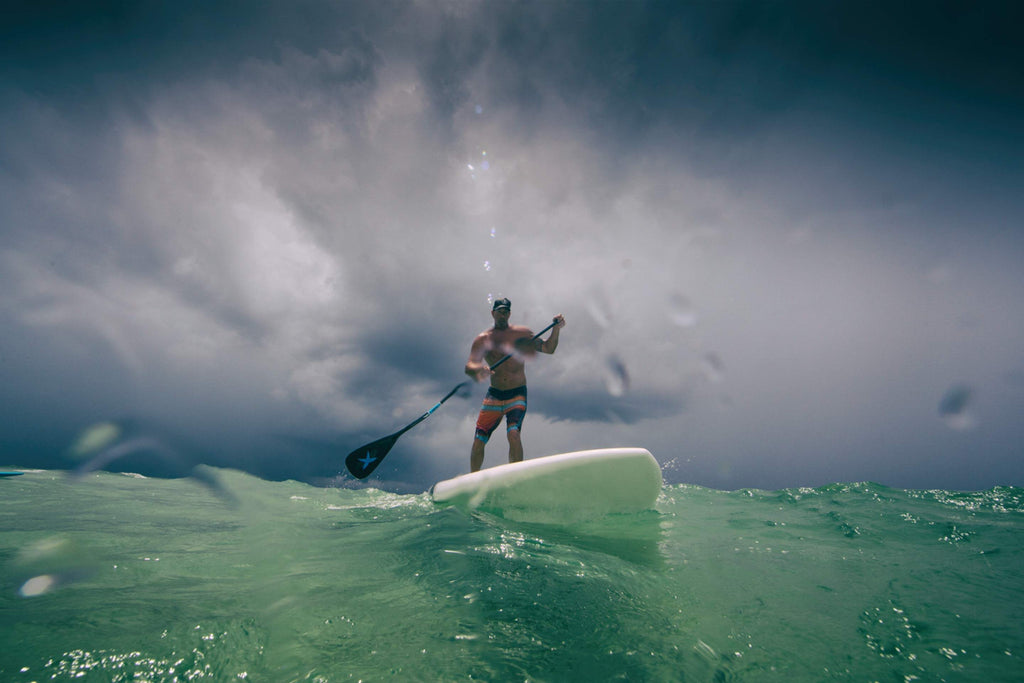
(507, 395)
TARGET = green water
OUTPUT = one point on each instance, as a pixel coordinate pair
(119, 578)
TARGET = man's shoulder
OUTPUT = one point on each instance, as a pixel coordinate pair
(513, 331)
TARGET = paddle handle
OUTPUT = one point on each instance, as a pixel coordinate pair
(534, 338)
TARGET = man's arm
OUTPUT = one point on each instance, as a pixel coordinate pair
(551, 343)
(476, 366)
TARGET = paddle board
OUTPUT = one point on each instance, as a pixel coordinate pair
(10, 474)
(567, 486)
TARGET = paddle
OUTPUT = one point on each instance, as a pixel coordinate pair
(364, 460)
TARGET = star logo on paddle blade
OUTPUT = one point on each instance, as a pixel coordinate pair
(367, 459)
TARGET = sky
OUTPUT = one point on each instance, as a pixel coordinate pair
(786, 236)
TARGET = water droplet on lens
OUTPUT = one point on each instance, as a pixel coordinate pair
(713, 367)
(600, 308)
(681, 311)
(52, 563)
(37, 585)
(616, 377)
(96, 438)
(954, 408)
(487, 265)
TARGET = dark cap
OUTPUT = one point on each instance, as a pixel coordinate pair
(501, 303)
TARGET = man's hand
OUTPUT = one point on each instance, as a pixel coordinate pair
(559, 321)
(478, 371)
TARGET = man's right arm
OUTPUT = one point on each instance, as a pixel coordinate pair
(476, 366)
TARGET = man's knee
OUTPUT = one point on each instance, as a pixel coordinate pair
(514, 436)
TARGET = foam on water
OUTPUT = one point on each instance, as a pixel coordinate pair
(162, 580)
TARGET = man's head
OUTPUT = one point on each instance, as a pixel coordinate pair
(500, 311)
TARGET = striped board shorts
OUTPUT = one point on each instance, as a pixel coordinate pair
(498, 403)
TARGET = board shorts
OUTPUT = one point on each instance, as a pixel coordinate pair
(499, 403)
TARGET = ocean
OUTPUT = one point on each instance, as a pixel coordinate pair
(117, 577)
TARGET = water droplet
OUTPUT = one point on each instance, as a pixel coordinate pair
(52, 563)
(616, 377)
(96, 438)
(494, 232)
(681, 311)
(470, 167)
(37, 585)
(954, 408)
(487, 266)
(486, 165)
(600, 308)
(713, 367)
(478, 109)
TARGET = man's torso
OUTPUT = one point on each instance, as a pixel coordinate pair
(499, 343)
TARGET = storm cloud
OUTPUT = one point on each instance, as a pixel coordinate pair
(265, 234)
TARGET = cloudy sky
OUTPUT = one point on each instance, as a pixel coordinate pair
(787, 237)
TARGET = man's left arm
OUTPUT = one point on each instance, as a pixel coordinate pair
(551, 343)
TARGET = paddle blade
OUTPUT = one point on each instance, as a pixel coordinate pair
(364, 460)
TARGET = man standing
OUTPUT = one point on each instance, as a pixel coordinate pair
(506, 396)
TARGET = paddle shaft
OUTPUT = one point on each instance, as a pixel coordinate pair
(430, 412)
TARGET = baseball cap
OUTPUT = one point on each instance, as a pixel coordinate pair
(501, 303)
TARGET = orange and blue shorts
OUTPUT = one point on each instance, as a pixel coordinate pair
(499, 403)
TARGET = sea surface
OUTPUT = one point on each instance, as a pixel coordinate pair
(116, 577)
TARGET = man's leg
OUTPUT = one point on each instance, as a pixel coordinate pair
(515, 446)
(476, 455)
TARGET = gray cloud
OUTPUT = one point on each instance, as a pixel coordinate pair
(274, 231)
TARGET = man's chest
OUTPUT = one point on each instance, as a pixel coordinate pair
(505, 340)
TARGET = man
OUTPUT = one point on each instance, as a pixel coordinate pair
(506, 396)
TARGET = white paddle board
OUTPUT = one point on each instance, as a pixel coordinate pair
(568, 486)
